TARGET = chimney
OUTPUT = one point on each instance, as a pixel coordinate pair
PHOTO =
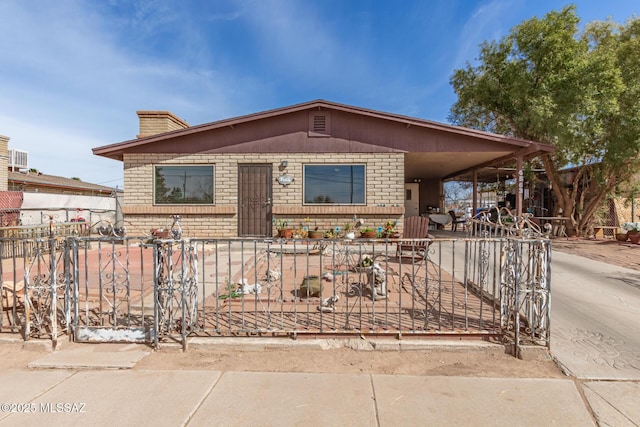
(4, 162)
(155, 122)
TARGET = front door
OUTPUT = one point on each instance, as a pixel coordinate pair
(254, 200)
(411, 200)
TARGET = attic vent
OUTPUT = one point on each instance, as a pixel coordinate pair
(319, 123)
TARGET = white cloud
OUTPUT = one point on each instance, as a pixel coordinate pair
(69, 86)
(62, 152)
(488, 22)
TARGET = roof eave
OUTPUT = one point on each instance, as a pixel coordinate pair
(116, 151)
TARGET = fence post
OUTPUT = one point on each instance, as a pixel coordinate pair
(54, 295)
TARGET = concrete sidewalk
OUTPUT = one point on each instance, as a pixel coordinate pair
(88, 385)
(139, 397)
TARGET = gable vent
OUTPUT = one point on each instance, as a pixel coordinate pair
(319, 123)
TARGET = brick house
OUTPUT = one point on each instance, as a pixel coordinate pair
(316, 164)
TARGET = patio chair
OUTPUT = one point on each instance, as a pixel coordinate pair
(12, 298)
(415, 227)
(455, 221)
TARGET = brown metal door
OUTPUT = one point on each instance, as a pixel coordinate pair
(254, 200)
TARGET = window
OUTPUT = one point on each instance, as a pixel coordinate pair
(184, 185)
(334, 184)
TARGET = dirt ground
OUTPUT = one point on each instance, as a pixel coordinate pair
(622, 254)
(473, 362)
(434, 362)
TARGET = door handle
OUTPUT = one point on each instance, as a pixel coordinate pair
(268, 202)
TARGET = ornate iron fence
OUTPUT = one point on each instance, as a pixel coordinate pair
(112, 284)
(137, 290)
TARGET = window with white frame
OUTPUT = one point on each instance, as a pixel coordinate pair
(336, 184)
(183, 184)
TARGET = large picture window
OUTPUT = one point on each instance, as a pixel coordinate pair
(184, 185)
(334, 184)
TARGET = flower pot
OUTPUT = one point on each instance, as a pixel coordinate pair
(285, 233)
(368, 234)
(311, 287)
(621, 237)
(316, 234)
(634, 237)
(350, 235)
(159, 233)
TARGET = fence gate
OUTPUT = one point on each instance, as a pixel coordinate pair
(112, 291)
(45, 266)
(525, 291)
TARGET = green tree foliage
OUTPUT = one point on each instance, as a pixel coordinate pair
(579, 90)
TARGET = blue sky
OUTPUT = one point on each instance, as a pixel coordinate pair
(74, 73)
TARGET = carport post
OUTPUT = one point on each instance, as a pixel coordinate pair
(519, 186)
(475, 193)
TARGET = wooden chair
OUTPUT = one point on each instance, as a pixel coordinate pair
(415, 227)
(455, 221)
(12, 300)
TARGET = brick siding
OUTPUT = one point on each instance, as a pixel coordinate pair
(384, 192)
(156, 122)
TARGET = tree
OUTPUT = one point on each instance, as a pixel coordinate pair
(456, 193)
(547, 81)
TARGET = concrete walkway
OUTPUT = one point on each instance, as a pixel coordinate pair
(94, 384)
(195, 398)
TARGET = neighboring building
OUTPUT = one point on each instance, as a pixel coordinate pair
(36, 182)
(27, 196)
(317, 164)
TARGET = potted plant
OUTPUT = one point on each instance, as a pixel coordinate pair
(389, 229)
(160, 233)
(622, 237)
(348, 233)
(282, 226)
(367, 232)
(300, 233)
(316, 234)
(633, 231)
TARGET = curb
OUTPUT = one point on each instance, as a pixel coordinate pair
(361, 344)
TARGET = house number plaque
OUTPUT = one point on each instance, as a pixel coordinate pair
(285, 179)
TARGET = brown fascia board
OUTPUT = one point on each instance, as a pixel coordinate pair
(534, 149)
(115, 151)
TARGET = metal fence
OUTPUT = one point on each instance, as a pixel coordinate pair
(137, 290)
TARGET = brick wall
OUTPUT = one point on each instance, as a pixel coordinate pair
(384, 197)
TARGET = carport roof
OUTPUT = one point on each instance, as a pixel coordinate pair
(458, 150)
